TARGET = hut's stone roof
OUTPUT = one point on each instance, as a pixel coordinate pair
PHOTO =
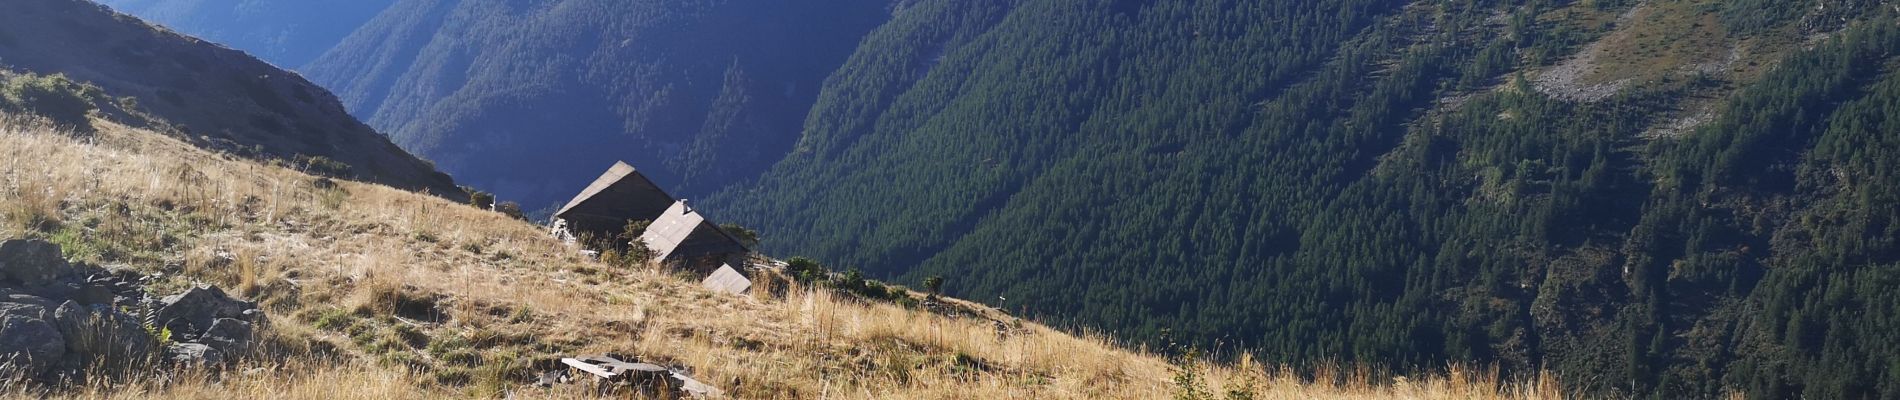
(621, 194)
(682, 232)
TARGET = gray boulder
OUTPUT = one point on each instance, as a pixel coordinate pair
(27, 340)
(228, 335)
(194, 353)
(32, 262)
(93, 294)
(54, 290)
(29, 305)
(102, 332)
(192, 313)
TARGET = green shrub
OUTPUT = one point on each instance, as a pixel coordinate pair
(452, 377)
(334, 319)
(634, 254)
(324, 166)
(160, 335)
(512, 210)
(851, 281)
(934, 284)
(877, 290)
(632, 231)
(52, 96)
(478, 198)
(444, 344)
(805, 270)
(1187, 379)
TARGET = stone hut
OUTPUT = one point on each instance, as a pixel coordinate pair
(679, 236)
(683, 237)
(602, 210)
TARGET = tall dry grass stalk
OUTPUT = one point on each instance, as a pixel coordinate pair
(375, 292)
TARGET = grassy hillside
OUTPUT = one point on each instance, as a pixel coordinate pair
(528, 99)
(373, 292)
(1670, 197)
(207, 94)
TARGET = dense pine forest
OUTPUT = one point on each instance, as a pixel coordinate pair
(1385, 182)
(531, 99)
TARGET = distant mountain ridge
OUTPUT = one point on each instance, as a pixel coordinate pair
(286, 33)
(528, 99)
(213, 96)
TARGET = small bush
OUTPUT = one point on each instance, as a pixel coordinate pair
(934, 284)
(1187, 379)
(876, 290)
(334, 319)
(521, 315)
(160, 335)
(452, 377)
(634, 256)
(633, 231)
(55, 97)
(465, 358)
(478, 198)
(331, 197)
(512, 210)
(805, 270)
(324, 166)
(850, 281)
(402, 359)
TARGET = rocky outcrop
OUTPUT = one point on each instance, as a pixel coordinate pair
(27, 340)
(31, 262)
(205, 315)
(58, 319)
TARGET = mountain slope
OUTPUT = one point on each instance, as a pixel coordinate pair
(1647, 197)
(528, 99)
(214, 96)
(375, 293)
(286, 33)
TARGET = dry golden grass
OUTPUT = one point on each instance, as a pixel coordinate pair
(379, 293)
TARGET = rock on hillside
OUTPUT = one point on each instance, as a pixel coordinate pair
(59, 318)
(215, 96)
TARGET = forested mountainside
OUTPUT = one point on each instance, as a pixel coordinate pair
(210, 95)
(286, 33)
(1679, 198)
(531, 99)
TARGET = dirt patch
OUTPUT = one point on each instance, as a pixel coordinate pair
(1648, 43)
